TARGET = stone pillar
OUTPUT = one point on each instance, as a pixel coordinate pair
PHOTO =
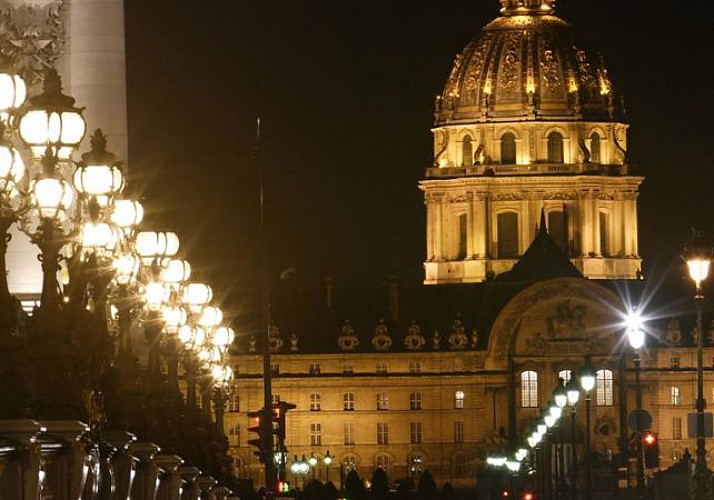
(438, 230)
(480, 226)
(20, 472)
(189, 489)
(95, 66)
(596, 243)
(170, 477)
(430, 210)
(123, 464)
(470, 226)
(65, 473)
(147, 473)
(205, 485)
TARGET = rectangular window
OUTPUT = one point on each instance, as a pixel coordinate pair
(462, 237)
(674, 361)
(565, 375)
(382, 433)
(415, 401)
(348, 368)
(314, 402)
(529, 389)
(314, 368)
(458, 432)
(604, 391)
(415, 428)
(381, 367)
(348, 401)
(675, 396)
(348, 433)
(677, 428)
(316, 434)
(234, 435)
(382, 401)
(275, 368)
(459, 400)
(233, 403)
(414, 367)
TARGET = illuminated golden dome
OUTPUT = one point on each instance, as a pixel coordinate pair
(526, 64)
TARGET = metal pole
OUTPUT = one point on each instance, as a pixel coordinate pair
(561, 464)
(271, 479)
(702, 475)
(574, 458)
(588, 472)
(638, 406)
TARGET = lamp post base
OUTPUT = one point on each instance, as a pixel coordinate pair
(702, 482)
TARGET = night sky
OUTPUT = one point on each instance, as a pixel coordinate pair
(345, 92)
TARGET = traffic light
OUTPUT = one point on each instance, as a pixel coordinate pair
(651, 449)
(283, 487)
(280, 410)
(264, 428)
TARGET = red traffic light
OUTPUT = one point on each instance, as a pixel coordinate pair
(649, 439)
(528, 496)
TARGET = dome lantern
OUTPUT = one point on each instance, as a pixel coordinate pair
(519, 7)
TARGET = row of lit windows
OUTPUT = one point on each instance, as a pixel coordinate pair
(382, 401)
(508, 149)
(349, 367)
(416, 435)
(604, 387)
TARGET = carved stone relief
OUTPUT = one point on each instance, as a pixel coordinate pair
(32, 35)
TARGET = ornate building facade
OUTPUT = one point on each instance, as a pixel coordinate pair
(530, 194)
(529, 121)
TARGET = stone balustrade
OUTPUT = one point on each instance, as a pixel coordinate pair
(55, 459)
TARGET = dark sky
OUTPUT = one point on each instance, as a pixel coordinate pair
(345, 91)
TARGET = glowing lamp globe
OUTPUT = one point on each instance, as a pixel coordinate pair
(127, 214)
(222, 374)
(174, 318)
(127, 268)
(176, 271)
(556, 412)
(51, 119)
(210, 317)
(96, 236)
(573, 392)
(542, 428)
(152, 245)
(223, 336)
(12, 169)
(312, 461)
(51, 196)
(587, 376)
(154, 295)
(196, 295)
(13, 93)
(327, 459)
(549, 421)
(513, 465)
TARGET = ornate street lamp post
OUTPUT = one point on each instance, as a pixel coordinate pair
(587, 382)
(698, 257)
(327, 460)
(636, 337)
(573, 393)
(560, 397)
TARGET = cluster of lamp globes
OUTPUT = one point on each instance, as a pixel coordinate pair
(565, 394)
(301, 466)
(93, 217)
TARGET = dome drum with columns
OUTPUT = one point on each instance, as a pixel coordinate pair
(529, 122)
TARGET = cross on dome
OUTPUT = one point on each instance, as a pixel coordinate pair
(516, 7)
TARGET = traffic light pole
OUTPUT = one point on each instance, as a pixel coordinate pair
(640, 444)
(271, 477)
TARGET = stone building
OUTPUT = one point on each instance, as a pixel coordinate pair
(532, 263)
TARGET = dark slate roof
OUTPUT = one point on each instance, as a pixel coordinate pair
(542, 260)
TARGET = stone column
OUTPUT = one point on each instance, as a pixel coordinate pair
(95, 66)
(170, 477)
(480, 227)
(123, 463)
(147, 474)
(190, 490)
(438, 229)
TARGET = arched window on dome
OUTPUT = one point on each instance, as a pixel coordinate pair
(595, 147)
(558, 230)
(507, 234)
(467, 152)
(605, 247)
(508, 148)
(555, 147)
(463, 234)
